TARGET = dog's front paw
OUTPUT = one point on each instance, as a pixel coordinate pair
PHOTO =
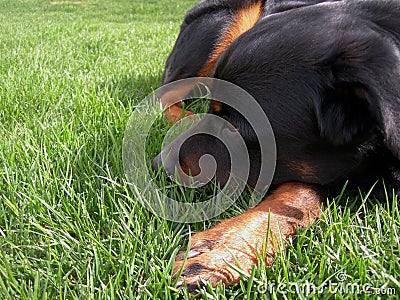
(231, 248)
(222, 253)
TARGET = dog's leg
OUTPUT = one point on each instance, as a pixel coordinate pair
(242, 239)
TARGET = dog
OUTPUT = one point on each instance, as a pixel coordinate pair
(327, 75)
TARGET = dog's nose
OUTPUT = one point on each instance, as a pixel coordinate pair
(157, 163)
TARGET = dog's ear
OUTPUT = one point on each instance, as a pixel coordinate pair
(364, 92)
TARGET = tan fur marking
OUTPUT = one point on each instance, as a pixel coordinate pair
(306, 171)
(173, 109)
(243, 21)
(216, 106)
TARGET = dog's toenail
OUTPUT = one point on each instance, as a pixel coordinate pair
(179, 284)
(193, 253)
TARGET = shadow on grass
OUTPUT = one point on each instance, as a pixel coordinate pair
(129, 89)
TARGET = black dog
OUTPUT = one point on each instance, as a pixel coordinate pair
(328, 77)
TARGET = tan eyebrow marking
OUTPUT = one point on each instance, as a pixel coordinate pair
(243, 21)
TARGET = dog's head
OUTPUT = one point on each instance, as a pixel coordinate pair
(328, 77)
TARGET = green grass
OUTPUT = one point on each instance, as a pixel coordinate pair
(71, 73)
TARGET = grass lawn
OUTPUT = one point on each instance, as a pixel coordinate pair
(71, 73)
